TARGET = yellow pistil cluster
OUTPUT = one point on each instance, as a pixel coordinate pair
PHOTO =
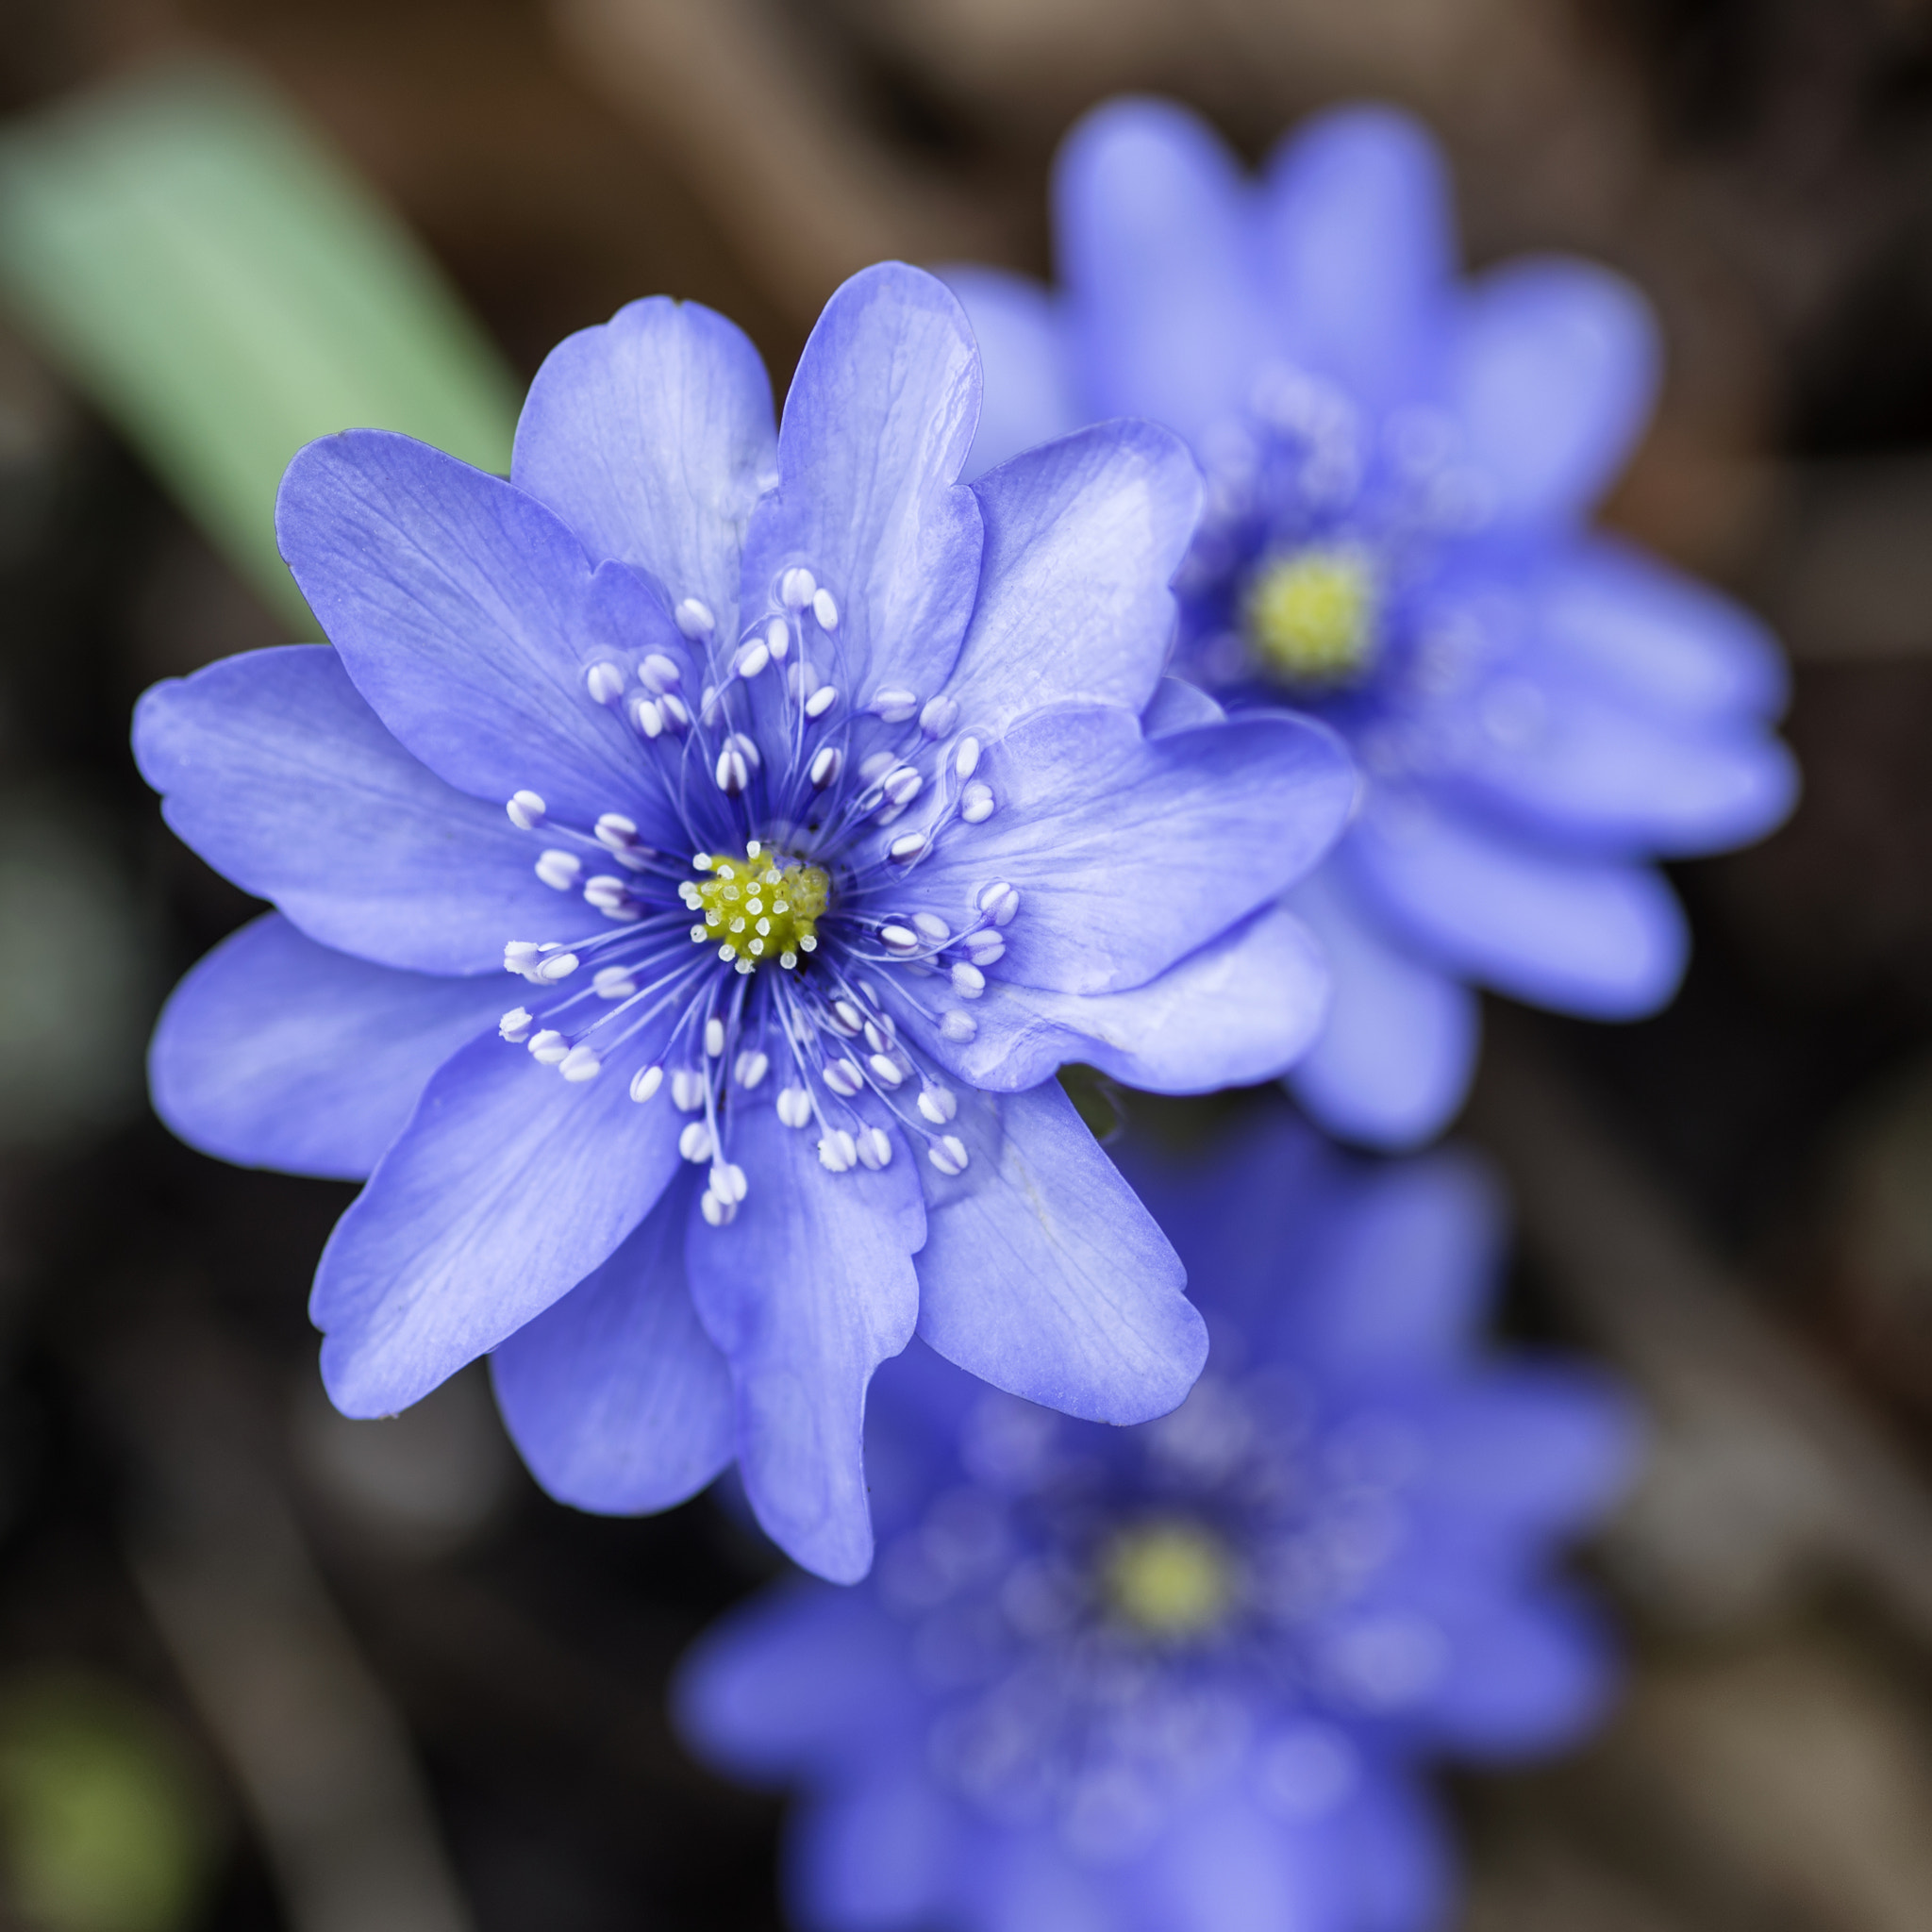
(1311, 615)
(1169, 1581)
(761, 907)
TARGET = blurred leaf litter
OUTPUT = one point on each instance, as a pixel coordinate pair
(225, 290)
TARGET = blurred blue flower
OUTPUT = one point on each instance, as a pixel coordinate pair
(1400, 466)
(833, 826)
(1177, 1679)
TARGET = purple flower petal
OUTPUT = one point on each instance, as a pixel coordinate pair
(878, 1850)
(1228, 1867)
(278, 774)
(276, 1052)
(807, 1292)
(1030, 387)
(506, 1189)
(615, 1395)
(651, 437)
(1042, 1275)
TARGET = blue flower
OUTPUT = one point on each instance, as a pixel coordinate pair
(1401, 467)
(1178, 1679)
(810, 798)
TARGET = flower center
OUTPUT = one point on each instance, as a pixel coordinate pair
(1311, 615)
(765, 905)
(1168, 1580)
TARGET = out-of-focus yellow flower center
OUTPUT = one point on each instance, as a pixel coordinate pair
(1168, 1580)
(759, 907)
(1311, 615)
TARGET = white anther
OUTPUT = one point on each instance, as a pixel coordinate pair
(605, 891)
(794, 1106)
(646, 718)
(939, 716)
(516, 1024)
(948, 1153)
(658, 673)
(983, 948)
(958, 1028)
(727, 1181)
(876, 766)
(581, 1063)
(734, 771)
(645, 1082)
(558, 870)
(694, 618)
(939, 1104)
(880, 1034)
(521, 956)
(677, 712)
(824, 770)
(903, 785)
(717, 1213)
(899, 939)
(887, 1070)
(893, 704)
(613, 983)
(714, 1038)
(822, 701)
(797, 588)
(559, 966)
(966, 760)
(843, 1077)
(525, 809)
(969, 982)
(837, 1151)
(549, 1047)
(875, 1147)
(753, 659)
(1001, 900)
(824, 606)
(605, 682)
(615, 832)
(976, 803)
(907, 847)
(847, 1018)
(932, 927)
(694, 1143)
(778, 639)
(687, 1090)
(750, 1068)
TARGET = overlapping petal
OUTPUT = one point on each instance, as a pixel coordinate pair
(1031, 394)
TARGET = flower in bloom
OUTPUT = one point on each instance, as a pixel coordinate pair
(819, 806)
(1178, 1678)
(1400, 469)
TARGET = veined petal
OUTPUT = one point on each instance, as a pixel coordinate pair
(1241, 1010)
(1394, 1061)
(279, 774)
(1560, 929)
(506, 1189)
(469, 616)
(1127, 853)
(875, 430)
(806, 1290)
(1030, 393)
(651, 437)
(1552, 371)
(276, 1052)
(1358, 235)
(1082, 539)
(1042, 1275)
(1154, 233)
(615, 1394)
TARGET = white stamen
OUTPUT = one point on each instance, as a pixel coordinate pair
(824, 608)
(822, 701)
(939, 716)
(898, 939)
(948, 1153)
(646, 719)
(714, 1038)
(966, 760)
(875, 1147)
(847, 1018)
(559, 966)
(613, 983)
(558, 870)
(939, 1104)
(750, 1068)
(694, 618)
(843, 1077)
(907, 847)
(694, 1143)
(677, 712)
(779, 637)
(717, 1214)
(687, 1090)
(880, 1034)
(976, 803)
(958, 1028)
(983, 948)
(753, 659)
(837, 1151)
(615, 832)
(969, 982)
(876, 766)
(516, 1024)
(931, 926)
(894, 705)
(521, 956)
(525, 809)
(734, 773)
(605, 682)
(645, 1082)
(1001, 900)
(728, 1182)
(885, 1068)
(581, 1063)
(794, 1106)
(824, 770)
(797, 588)
(549, 1048)
(605, 891)
(903, 785)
